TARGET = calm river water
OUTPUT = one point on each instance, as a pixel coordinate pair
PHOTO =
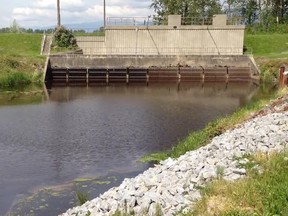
(83, 132)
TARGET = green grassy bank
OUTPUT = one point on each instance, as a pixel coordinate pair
(267, 45)
(264, 193)
(270, 52)
(20, 60)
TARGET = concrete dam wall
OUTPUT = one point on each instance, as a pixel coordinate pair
(206, 53)
(216, 38)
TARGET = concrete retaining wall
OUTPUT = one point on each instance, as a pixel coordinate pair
(90, 61)
(216, 39)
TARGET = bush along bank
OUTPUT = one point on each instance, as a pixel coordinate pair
(14, 79)
(270, 68)
(19, 71)
(175, 185)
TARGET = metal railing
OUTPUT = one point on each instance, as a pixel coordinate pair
(196, 21)
(87, 31)
(129, 21)
(236, 21)
(154, 21)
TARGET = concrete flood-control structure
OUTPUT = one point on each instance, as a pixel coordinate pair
(88, 69)
(142, 75)
(204, 53)
(213, 38)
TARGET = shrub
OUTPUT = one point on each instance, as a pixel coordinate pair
(81, 197)
(14, 79)
(64, 38)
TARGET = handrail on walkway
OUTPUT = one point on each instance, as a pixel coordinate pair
(154, 21)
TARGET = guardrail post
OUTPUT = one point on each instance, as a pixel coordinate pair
(87, 76)
(283, 76)
(107, 76)
(127, 75)
(67, 75)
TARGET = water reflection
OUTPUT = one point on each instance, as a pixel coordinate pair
(94, 131)
(23, 96)
(240, 90)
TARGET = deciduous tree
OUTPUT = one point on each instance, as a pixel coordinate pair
(186, 8)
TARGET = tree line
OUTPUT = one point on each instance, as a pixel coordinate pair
(16, 28)
(252, 10)
(265, 14)
(26, 30)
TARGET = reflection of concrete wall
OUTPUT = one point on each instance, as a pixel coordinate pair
(243, 91)
(216, 39)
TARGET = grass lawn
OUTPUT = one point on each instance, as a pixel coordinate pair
(267, 45)
(264, 193)
(270, 52)
(20, 44)
(20, 60)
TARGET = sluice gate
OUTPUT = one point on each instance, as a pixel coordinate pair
(153, 74)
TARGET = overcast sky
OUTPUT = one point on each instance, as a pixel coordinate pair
(41, 13)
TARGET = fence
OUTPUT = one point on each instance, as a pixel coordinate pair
(129, 21)
(151, 21)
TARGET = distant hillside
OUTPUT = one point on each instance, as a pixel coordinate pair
(87, 26)
(91, 25)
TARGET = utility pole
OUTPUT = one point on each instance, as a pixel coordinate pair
(58, 14)
(282, 10)
(104, 13)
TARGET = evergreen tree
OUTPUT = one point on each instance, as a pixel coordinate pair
(15, 28)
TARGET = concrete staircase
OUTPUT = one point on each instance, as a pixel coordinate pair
(46, 44)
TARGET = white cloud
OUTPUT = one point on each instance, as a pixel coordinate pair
(30, 16)
(20, 13)
(63, 3)
(94, 11)
(43, 12)
(117, 11)
(126, 11)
